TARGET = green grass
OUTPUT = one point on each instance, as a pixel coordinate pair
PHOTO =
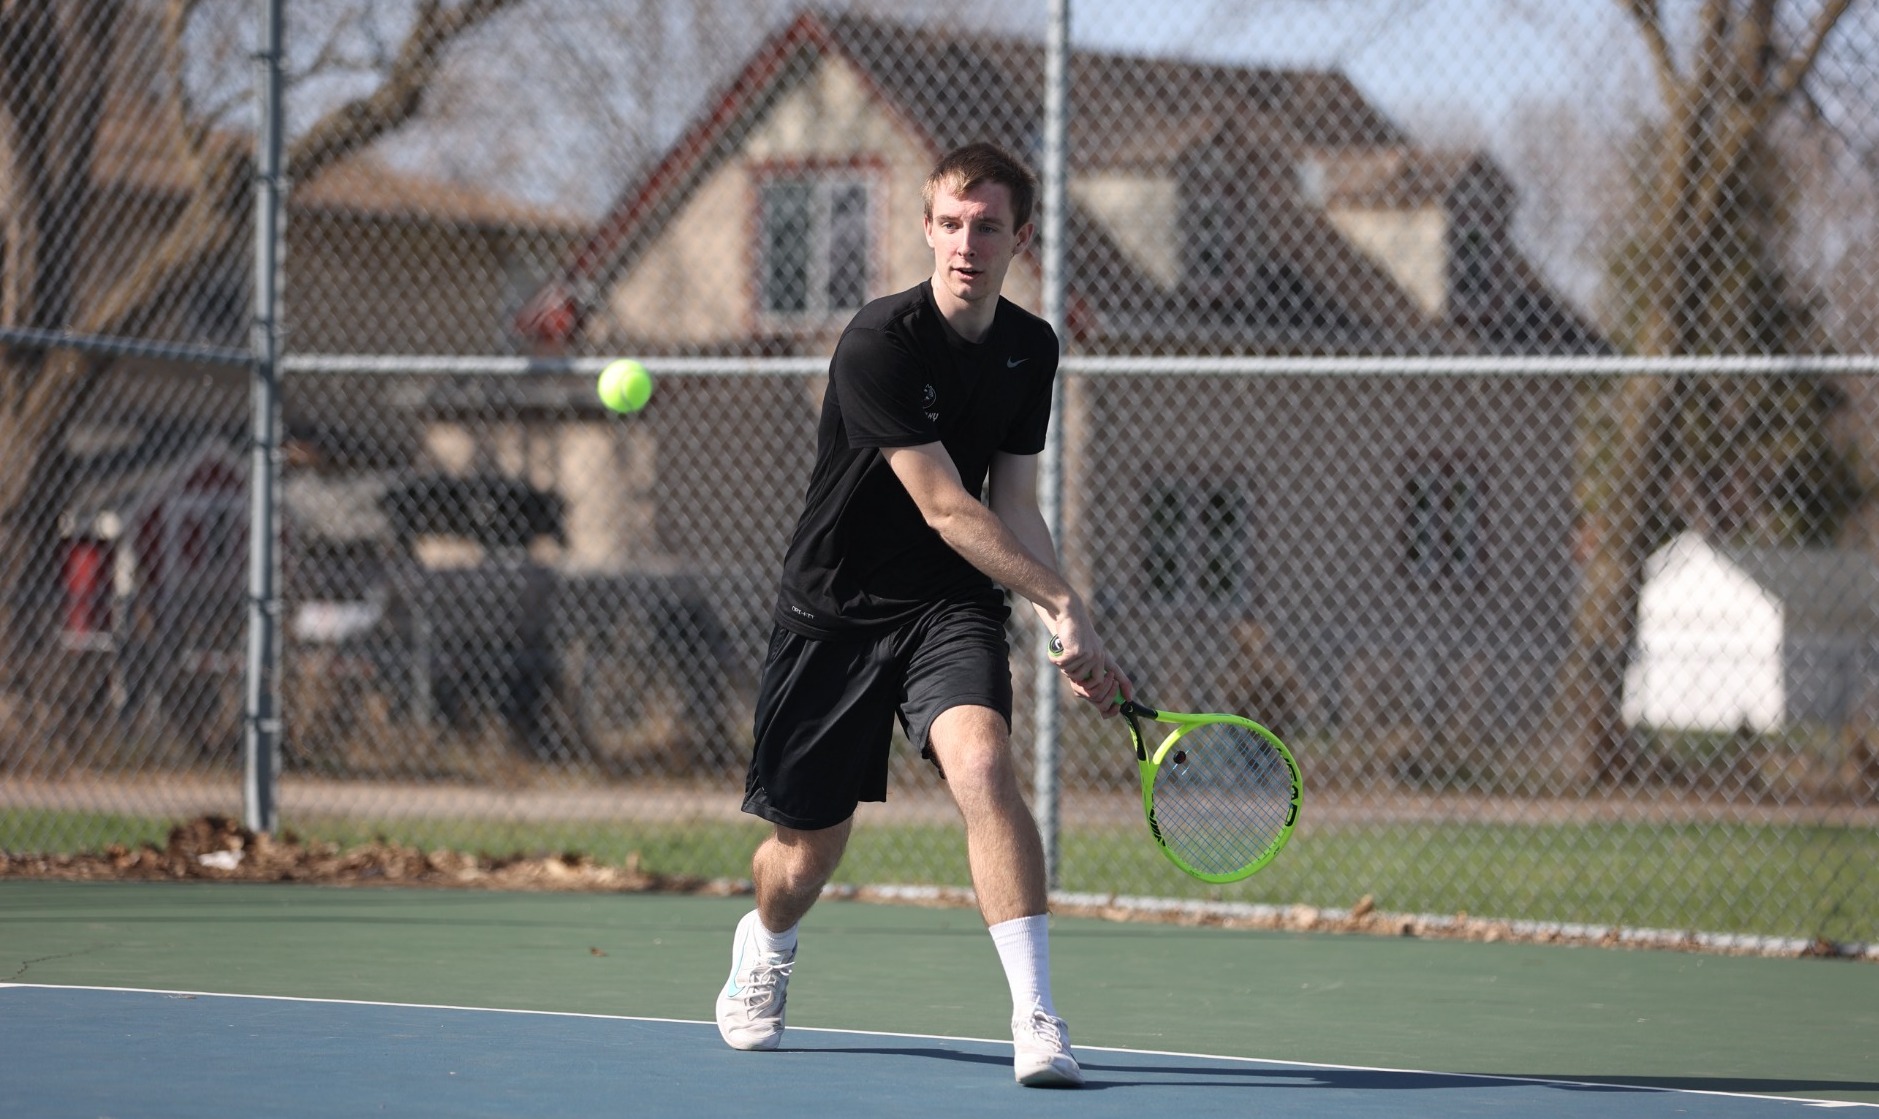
(1770, 880)
(48, 831)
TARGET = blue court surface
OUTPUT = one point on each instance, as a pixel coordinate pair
(92, 1051)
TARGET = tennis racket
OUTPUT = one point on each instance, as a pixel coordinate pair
(1221, 792)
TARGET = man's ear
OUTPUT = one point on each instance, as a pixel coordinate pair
(1028, 231)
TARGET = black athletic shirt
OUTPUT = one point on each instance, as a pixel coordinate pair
(862, 558)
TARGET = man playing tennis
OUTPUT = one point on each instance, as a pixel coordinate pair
(922, 503)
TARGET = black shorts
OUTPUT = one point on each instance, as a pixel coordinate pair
(826, 708)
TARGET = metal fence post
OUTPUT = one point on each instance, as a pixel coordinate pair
(1046, 716)
(260, 711)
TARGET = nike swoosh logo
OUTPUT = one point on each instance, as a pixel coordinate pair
(737, 965)
(1014, 362)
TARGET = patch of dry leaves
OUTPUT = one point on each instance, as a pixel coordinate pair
(216, 848)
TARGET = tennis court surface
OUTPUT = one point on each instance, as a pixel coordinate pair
(138, 999)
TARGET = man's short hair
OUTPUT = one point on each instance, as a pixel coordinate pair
(961, 169)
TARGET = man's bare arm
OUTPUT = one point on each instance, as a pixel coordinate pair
(1010, 543)
(976, 532)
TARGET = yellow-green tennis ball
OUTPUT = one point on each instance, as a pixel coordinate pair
(625, 386)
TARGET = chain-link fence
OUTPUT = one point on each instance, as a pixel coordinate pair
(1486, 403)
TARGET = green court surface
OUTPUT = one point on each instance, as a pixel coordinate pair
(1755, 1026)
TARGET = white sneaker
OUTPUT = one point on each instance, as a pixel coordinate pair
(750, 1008)
(1040, 1045)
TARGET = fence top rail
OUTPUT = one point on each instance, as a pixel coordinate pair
(1740, 365)
(515, 366)
(1727, 365)
(1737, 365)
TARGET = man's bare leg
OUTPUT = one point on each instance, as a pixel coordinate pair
(973, 747)
(789, 870)
(791, 867)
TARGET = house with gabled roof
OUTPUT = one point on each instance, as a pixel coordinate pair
(463, 261)
(1372, 529)
(152, 530)
(1220, 208)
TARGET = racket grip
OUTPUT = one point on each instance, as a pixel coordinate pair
(1126, 706)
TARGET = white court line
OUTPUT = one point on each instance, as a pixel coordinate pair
(1549, 1082)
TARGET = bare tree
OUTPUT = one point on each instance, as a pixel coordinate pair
(1722, 93)
(56, 72)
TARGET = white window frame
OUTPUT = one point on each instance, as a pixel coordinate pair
(820, 272)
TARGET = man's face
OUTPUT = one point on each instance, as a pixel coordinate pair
(974, 241)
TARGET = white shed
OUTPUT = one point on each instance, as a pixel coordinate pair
(1757, 637)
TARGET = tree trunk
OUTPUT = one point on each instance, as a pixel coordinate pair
(1715, 115)
(52, 61)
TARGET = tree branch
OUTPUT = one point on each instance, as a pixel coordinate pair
(1798, 66)
(206, 225)
(1650, 23)
(192, 130)
(1755, 43)
(1711, 49)
(354, 125)
(331, 55)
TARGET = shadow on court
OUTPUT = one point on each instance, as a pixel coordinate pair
(1752, 1086)
(1109, 1075)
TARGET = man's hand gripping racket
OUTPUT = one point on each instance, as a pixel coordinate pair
(1221, 792)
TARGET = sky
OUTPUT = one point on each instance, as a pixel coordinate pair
(1416, 58)
(1550, 88)
(1474, 74)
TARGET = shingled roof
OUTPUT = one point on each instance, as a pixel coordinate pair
(1133, 114)
(1131, 110)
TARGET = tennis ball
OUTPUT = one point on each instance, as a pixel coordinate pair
(625, 386)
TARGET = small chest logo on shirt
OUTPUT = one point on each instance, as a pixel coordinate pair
(929, 398)
(1014, 362)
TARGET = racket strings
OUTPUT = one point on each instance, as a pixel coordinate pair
(1222, 798)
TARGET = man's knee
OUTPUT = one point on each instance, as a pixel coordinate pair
(973, 748)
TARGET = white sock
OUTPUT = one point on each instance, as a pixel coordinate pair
(1024, 949)
(774, 943)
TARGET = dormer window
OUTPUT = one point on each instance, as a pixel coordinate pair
(813, 245)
